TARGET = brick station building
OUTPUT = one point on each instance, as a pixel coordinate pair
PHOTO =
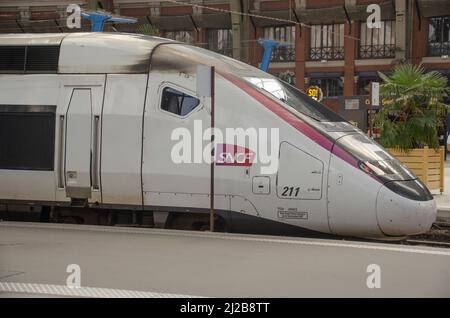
(328, 41)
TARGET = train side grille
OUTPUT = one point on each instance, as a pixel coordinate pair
(12, 58)
(29, 59)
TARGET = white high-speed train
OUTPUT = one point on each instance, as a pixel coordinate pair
(90, 118)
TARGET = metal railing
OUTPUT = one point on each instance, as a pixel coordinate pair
(327, 53)
(438, 48)
(377, 51)
(283, 54)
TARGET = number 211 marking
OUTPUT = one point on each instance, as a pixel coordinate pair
(289, 191)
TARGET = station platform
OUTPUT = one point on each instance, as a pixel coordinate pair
(138, 262)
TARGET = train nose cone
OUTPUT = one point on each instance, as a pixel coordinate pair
(405, 208)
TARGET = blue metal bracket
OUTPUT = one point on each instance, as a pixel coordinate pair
(268, 46)
(98, 20)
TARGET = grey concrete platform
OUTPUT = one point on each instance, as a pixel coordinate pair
(131, 262)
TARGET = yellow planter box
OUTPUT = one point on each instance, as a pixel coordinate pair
(426, 163)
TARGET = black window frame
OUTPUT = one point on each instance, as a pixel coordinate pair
(439, 47)
(369, 50)
(184, 94)
(324, 50)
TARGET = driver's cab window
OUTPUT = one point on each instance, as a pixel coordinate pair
(177, 102)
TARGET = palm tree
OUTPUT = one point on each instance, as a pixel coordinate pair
(416, 111)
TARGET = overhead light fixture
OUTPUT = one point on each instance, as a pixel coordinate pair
(444, 57)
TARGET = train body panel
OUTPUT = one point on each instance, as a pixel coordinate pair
(121, 141)
(129, 131)
(359, 216)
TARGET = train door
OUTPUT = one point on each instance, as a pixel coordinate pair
(122, 139)
(174, 172)
(165, 117)
(78, 144)
(79, 141)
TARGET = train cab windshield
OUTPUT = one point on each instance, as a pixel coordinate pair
(373, 159)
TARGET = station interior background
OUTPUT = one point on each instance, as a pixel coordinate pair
(327, 43)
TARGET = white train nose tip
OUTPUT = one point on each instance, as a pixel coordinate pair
(405, 208)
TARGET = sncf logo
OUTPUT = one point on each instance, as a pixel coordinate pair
(194, 146)
(234, 155)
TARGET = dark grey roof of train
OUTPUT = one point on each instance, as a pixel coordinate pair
(94, 52)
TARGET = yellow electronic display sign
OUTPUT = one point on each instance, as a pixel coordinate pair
(315, 92)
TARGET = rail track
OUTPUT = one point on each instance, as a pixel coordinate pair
(427, 243)
(438, 236)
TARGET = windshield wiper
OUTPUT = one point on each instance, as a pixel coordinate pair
(311, 116)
